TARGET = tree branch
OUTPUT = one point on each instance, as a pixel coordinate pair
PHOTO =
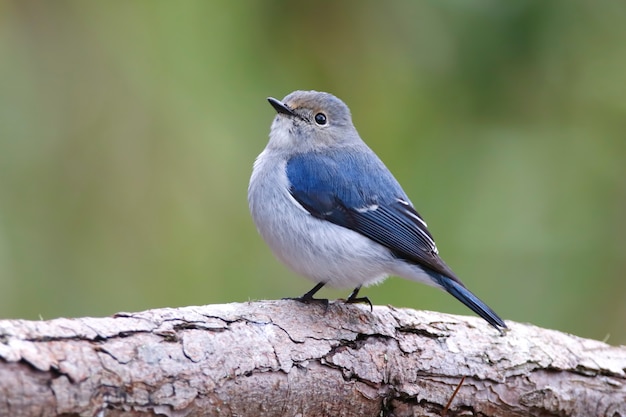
(276, 358)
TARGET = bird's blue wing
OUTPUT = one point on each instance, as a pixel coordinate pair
(356, 191)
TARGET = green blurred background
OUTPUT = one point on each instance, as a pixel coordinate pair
(128, 131)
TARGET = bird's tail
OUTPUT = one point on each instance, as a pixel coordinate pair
(470, 300)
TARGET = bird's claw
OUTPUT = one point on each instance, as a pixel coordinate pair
(361, 300)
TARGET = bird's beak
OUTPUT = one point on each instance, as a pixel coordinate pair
(280, 107)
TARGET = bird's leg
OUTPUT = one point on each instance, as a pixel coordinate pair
(308, 297)
(352, 298)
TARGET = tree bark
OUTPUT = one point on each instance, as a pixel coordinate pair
(284, 358)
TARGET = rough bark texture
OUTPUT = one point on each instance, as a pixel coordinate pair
(283, 358)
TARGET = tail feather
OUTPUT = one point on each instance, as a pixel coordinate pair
(470, 300)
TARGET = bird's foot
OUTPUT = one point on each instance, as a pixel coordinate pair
(308, 297)
(353, 299)
(360, 300)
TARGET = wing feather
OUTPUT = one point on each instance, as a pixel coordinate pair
(349, 194)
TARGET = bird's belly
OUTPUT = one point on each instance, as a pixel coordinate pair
(320, 250)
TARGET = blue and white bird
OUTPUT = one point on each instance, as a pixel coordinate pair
(331, 211)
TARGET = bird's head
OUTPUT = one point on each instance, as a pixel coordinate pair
(311, 120)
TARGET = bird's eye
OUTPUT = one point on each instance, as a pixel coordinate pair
(320, 119)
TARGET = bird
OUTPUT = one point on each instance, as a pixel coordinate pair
(331, 211)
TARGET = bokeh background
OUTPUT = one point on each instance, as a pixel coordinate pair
(128, 132)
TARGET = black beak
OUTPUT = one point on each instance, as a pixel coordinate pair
(280, 107)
